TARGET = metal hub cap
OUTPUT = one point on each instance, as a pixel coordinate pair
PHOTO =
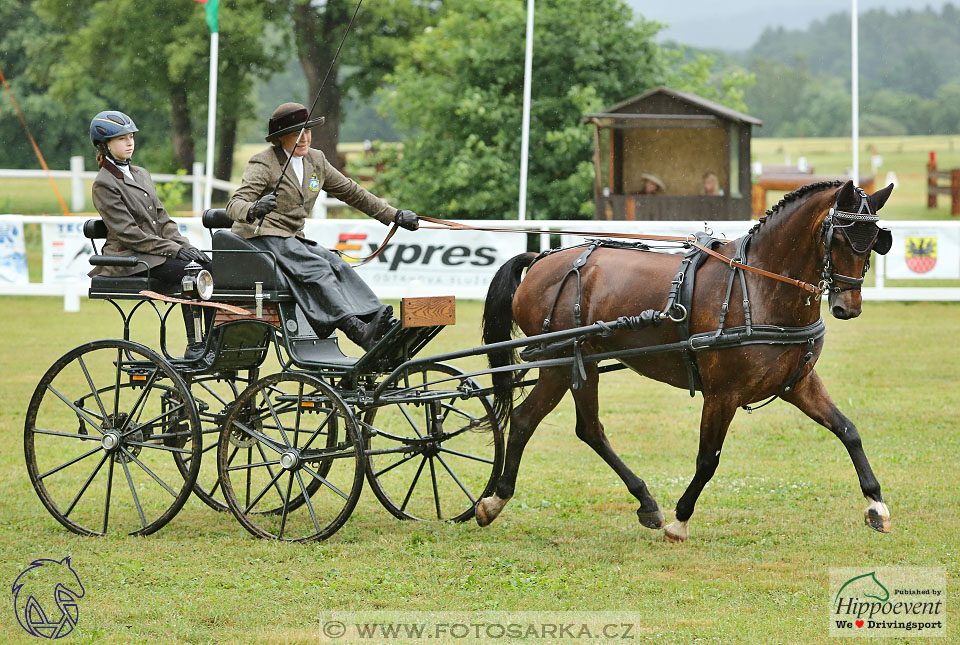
(289, 460)
(110, 441)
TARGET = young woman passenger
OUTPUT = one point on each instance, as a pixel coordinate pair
(137, 223)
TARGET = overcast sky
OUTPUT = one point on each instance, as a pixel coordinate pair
(736, 24)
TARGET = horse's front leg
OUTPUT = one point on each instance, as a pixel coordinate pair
(811, 397)
(714, 420)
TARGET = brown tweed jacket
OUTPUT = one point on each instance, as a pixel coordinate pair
(294, 202)
(137, 223)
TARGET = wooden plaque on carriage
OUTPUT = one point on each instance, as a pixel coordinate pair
(428, 311)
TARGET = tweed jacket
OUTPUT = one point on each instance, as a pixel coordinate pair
(137, 223)
(294, 202)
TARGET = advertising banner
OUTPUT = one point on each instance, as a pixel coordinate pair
(923, 251)
(13, 255)
(420, 263)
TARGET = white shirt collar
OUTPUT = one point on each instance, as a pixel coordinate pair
(297, 164)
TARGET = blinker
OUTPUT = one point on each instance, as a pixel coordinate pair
(884, 241)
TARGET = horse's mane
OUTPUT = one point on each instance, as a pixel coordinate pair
(794, 196)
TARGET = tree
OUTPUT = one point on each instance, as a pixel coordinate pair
(380, 33)
(150, 59)
(457, 95)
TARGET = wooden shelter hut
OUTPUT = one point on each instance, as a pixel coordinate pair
(678, 137)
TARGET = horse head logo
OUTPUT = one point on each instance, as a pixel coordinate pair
(865, 585)
(45, 598)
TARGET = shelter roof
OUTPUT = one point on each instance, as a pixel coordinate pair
(630, 106)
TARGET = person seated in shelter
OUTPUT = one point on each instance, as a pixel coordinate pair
(327, 288)
(711, 184)
(137, 223)
(651, 185)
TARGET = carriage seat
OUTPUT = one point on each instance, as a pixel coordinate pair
(238, 264)
(119, 286)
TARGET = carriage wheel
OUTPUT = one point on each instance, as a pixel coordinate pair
(311, 465)
(429, 455)
(100, 431)
(213, 395)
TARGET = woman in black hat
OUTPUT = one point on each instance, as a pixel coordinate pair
(328, 290)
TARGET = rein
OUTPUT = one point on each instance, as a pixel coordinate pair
(444, 224)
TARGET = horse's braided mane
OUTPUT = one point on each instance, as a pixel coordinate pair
(794, 196)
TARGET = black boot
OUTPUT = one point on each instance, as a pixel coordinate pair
(367, 334)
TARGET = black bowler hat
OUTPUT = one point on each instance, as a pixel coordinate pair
(290, 117)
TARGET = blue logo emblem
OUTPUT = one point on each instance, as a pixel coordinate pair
(314, 183)
(45, 598)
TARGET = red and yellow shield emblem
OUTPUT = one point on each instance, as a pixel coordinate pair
(921, 253)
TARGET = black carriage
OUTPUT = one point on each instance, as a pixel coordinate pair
(119, 435)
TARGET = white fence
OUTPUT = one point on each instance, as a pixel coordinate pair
(462, 262)
(78, 194)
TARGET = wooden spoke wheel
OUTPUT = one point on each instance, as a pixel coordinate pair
(310, 472)
(106, 428)
(433, 452)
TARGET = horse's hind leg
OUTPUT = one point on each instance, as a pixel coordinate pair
(590, 431)
(546, 394)
(811, 397)
(714, 420)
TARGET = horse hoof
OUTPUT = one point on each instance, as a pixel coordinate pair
(676, 532)
(488, 508)
(651, 519)
(877, 517)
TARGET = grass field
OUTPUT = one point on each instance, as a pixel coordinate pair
(783, 508)
(905, 156)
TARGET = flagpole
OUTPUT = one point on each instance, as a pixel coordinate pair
(211, 117)
(855, 90)
(525, 119)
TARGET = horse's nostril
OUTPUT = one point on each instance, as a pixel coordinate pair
(838, 311)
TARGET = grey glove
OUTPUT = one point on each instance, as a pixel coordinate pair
(408, 220)
(259, 208)
(189, 254)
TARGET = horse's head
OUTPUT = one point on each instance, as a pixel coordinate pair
(849, 233)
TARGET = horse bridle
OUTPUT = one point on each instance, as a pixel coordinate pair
(860, 230)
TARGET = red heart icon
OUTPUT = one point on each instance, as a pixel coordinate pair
(859, 623)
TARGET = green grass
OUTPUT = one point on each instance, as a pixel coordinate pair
(905, 156)
(782, 509)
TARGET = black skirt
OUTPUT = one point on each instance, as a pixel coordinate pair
(325, 286)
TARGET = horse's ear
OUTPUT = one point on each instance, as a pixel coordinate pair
(845, 198)
(879, 198)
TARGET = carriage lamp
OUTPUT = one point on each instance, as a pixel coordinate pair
(197, 283)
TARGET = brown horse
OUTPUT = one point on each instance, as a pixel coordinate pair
(819, 234)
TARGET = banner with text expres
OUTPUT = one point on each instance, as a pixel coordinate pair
(420, 263)
(415, 263)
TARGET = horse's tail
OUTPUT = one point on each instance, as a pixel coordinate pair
(499, 325)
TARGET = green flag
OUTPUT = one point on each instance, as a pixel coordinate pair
(213, 14)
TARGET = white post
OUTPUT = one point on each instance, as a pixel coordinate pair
(77, 202)
(525, 126)
(881, 269)
(211, 117)
(855, 89)
(197, 188)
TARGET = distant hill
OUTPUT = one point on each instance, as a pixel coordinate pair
(910, 51)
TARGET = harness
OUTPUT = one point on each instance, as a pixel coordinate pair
(858, 228)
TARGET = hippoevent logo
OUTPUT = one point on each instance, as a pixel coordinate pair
(45, 598)
(888, 601)
(921, 254)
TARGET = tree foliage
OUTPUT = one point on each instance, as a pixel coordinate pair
(457, 96)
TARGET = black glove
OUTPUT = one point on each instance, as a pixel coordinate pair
(188, 254)
(408, 220)
(259, 208)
